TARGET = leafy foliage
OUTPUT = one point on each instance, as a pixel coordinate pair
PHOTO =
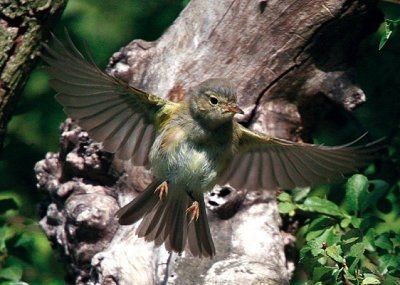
(340, 243)
(15, 243)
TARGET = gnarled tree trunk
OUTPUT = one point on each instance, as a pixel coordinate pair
(284, 56)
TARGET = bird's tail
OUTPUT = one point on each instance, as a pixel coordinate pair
(166, 221)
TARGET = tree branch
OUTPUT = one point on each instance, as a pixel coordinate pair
(23, 26)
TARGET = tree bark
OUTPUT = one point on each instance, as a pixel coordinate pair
(289, 60)
(23, 26)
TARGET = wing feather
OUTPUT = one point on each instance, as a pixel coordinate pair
(295, 175)
(144, 148)
(126, 150)
(141, 145)
(116, 138)
(269, 179)
(253, 171)
(266, 162)
(228, 173)
(109, 109)
(76, 101)
(280, 170)
(240, 173)
(101, 131)
(305, 169)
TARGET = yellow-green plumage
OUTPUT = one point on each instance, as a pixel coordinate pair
(190, 145)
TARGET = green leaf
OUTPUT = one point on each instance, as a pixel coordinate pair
(384, 242)
(286, 208)
(24, 240)
(351, 236)
(315, 247)
(12, 273)
(336, 273)
(370, 267)
(356, 222)
(356, 186)
(350, 240)
(319, 272)
(319, 226)
(395, 241)
(379, 188)
(386, 35)
(322, 222)
(388, 262)
(284, 197)
(299, 193)
(345, 223)
(370, 280)
(369, 239)
(314, 234)
(330, 237)
(335, 252)
(357, 250)
(322, 260)
(323, 206)
(7, 204)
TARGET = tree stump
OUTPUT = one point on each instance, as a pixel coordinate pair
(288, 59)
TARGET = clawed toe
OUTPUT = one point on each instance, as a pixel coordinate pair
(194, 211)
(162, 190)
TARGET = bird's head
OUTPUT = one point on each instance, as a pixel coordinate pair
(214, 102)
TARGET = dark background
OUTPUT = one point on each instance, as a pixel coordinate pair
(108, 25)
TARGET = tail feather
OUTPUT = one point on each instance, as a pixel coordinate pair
(176, 240)
(151, 222)
(138, 207)
(166, 221)
(199, 237)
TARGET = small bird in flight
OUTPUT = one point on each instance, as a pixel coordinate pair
(190, 146)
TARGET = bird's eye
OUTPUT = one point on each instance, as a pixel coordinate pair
(213, 100)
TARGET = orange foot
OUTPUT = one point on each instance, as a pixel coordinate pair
(162, 189)
(194, 211)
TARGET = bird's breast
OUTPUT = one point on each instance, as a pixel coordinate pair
(182, 161)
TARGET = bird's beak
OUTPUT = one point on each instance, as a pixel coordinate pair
(233, 108)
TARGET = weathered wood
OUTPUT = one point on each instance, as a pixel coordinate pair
(23, 26)
(283, 56)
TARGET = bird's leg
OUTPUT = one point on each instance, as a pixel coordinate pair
(194, 211)
(162, 189)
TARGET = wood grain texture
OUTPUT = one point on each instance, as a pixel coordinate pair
(284, 56)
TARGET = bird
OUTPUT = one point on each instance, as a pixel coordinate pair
(190, 146)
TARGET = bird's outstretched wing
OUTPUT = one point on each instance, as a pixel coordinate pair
(123, 118)
(263, 162)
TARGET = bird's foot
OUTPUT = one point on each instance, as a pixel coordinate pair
(194, 211)
(162, 190)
